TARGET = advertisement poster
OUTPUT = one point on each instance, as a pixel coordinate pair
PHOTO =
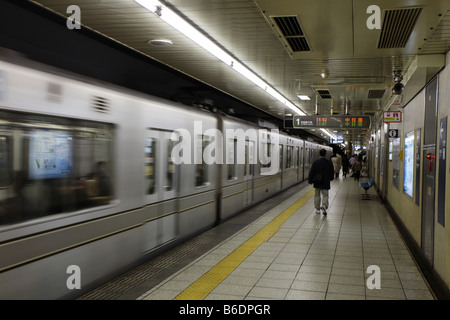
(442, 170)
(418, 153)
(395, 162)
(50, 154)
(409, 164)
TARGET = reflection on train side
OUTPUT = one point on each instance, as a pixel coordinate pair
(50, 166)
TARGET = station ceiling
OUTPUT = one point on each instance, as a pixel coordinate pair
(331, 51)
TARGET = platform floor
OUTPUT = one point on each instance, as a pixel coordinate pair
(289, 252)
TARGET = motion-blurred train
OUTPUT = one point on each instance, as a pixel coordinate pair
(87, 178)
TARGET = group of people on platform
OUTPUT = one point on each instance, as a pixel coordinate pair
(356, 163)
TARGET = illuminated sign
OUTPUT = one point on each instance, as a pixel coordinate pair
(392, 116)
(339, 122)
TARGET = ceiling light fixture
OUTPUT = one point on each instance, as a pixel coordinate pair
(324, 74)
(303, 97)
(160, 42)
(177, 22)
(332, 136)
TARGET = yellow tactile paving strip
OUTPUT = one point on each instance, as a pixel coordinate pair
(210, 280)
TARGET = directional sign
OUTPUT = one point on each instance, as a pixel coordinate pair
(392, 116)
(343, 122)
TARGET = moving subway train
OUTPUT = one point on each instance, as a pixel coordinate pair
(88, 179)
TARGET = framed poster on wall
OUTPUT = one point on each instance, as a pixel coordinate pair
(442, 170)
(409, 164)
(395, 162)
(418, 153)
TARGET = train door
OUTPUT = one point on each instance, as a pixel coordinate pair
(161, 182)
(302, 163)
(249, 171)
(306, 162)
(429, 170)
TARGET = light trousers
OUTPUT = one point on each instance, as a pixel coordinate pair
(324, 193)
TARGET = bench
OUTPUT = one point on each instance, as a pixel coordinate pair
(366, 186)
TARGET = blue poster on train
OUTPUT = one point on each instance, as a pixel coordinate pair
(50, 154)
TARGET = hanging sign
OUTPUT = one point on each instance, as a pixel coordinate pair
(346, 121)
(392, 116)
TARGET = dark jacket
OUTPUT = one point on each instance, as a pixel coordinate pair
(324, 166)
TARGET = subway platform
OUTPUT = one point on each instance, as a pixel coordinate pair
(286, 253)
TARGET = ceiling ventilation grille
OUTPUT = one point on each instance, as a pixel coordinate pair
(292, 33)
(100, 104)
(324, 93)
(397, 27)
(376, 93)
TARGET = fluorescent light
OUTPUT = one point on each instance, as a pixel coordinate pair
(249, 75)
(149, 4)
(177, 22)
(303, 97)
(329, 134)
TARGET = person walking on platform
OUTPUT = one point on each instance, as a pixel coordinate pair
(339, 157)
(352, 162)
(357, 168)
(335, 161)
(320, 175)
(345, 165)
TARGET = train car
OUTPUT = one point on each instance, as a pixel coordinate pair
(238, 176)
(103, 178)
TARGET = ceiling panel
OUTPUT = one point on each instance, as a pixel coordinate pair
(341, 46)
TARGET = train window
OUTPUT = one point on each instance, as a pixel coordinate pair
(201, 169)
(52, 165)
(5, 160)
(246, 155)
(281, 157)
(150, 165)
(168, 185)
(289, 157)
(267, 150)
(251, 157)
(232, 159)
